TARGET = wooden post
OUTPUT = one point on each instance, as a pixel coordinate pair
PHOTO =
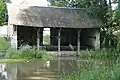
(59, 40)
(78, 42)
(97, 40)
(41, 36)
(38, 39)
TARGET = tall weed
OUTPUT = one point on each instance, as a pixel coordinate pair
(25, 52)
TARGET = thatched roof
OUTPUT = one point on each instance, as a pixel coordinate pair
(36, 16)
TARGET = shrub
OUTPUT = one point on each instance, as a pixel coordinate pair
(97, 72)
(99, 54)
(26, 52)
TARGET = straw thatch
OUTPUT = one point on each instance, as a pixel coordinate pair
(36, 16)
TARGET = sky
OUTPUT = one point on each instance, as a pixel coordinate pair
(42, 2)
(31, 2)
(113, 5)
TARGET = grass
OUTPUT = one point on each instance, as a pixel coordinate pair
(11, 60)
(88, 75)
(104, 53)
(100, 65)
(28, 52)
(94, 71)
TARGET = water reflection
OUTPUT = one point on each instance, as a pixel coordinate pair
(38, 69)
(47, 70)
(3, 73)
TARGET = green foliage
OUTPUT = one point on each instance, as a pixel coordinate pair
(60, 3)
(96, 8)
(105, 53)
(2, 12)
(112, 39)
(97, 70)
(117, 15)
(11, 60)
(117, 47)
(27, 52)
(3, 44)
(98, 74)
(95, 74)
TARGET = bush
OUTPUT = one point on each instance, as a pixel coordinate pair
(96, 71)
(88, 75)
(99, 54)
(25, 52)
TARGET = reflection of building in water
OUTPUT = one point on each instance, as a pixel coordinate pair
(3, 72)
(39, 69)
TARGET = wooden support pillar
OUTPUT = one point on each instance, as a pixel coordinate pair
(59, 40)
(41, 36)
(97, 39)
(78, 41)
(38, 39)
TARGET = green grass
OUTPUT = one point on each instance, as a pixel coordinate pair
(11, 60)
(99, 65)
(88, 75)
(104, 53)
(99, 71)
(28, 52)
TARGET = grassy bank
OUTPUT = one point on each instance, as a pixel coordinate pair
(103, 70)
(11, 60)
(99, 65)
(105, 53)
(28, 52)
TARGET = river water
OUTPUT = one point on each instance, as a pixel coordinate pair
(45, 70)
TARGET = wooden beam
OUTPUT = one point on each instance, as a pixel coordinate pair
(59, 40)
(38, 39)
(78, 41)
(41, 36)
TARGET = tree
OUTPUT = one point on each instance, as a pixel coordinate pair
(96, 8)
(2, 12)
(117, 16)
